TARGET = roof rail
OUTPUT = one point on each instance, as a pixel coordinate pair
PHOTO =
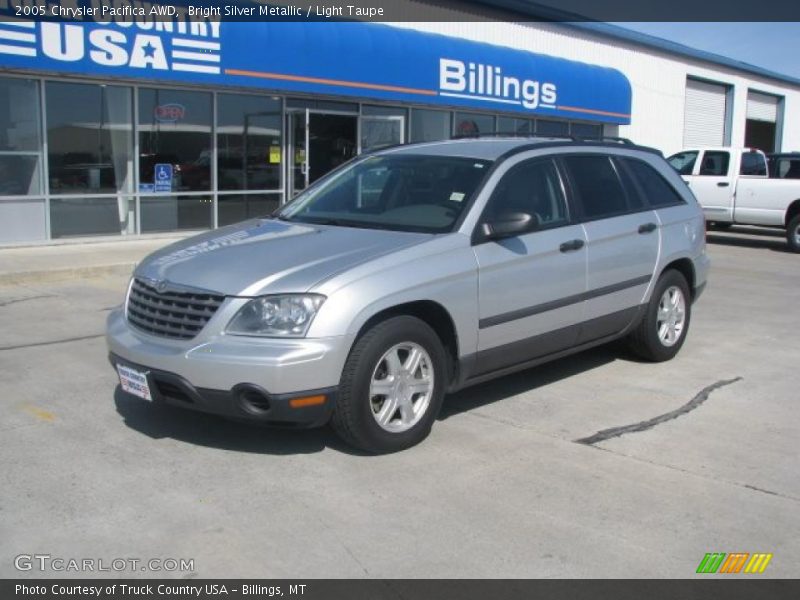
(520, 134)
(606, 138)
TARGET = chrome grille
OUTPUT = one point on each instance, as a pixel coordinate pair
(173, 314)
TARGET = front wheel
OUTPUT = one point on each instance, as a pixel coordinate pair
(663, 329)
(793, 234)
(392, 386)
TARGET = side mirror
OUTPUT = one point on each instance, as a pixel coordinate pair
(509, 225)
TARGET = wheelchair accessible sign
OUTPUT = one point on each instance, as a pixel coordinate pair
(163, 178)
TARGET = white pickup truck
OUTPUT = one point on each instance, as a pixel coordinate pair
(733, 187)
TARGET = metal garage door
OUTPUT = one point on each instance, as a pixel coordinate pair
(705, 114)
(762, 107)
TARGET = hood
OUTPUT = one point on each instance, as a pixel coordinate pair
(269, 257)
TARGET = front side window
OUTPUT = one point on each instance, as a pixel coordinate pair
(656, 189)
(89, 138)
(533, 187)
(715, 163)
(753, 163)
(598, 188)
(405, 193)
(683, 162)
(20, 141)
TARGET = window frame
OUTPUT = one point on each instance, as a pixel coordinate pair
(574, 196)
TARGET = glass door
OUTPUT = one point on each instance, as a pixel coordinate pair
(297, 153)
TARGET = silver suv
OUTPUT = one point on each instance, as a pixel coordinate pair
(413, 272)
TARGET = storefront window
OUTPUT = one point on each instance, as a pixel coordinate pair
(20, 145)
(248, 142)
(172, 213)
(429, 125)
(473, 123)
(175, 134)
(232, 208)
(586, 130)
(89, 138)
(512, 125)
(382, 126)
(554, 128)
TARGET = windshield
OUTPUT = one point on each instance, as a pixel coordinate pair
(683, 162)
(401, 192)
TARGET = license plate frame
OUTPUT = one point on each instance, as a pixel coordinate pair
(134, 382)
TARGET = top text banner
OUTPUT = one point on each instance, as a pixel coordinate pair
(415, 10)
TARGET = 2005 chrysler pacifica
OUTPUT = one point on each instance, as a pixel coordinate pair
(409, 273)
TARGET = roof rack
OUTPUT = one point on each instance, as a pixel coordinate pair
(463, 136)
(582, 138)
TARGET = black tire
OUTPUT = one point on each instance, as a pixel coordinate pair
(645, 341)
(793, 234)
(353, 418)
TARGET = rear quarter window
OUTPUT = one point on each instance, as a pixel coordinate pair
(658, 192)
(753, 163)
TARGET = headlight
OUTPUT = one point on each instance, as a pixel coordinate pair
(287, 315)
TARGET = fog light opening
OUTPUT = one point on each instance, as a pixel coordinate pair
(253, 400)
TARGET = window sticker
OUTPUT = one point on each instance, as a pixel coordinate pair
(456, 196)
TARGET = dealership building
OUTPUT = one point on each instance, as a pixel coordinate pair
(127, 128)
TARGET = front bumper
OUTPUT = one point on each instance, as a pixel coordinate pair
(245, 402)
(216, 373)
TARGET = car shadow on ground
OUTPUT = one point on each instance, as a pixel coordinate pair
(160, 421)
(750, 237)
(530, 379)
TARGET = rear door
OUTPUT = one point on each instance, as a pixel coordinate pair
(622, 237)
(713, 184)
(530, 286)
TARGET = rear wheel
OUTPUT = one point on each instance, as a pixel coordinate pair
(663, 329)
(392, 386)
(793, 234)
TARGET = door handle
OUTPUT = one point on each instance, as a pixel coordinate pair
(647, 228)
(571, 245)
(723, 184)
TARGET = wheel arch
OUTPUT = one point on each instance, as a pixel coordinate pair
(432, 313)
(791, 212)
(685, 267)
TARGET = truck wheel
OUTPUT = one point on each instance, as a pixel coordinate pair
(392, 386)
(793, 234)
(663, 329)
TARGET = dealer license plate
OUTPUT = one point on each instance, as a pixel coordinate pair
(134, 382)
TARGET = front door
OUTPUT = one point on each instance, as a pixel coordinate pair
(712, 184)
(530, 286)
(318, 143)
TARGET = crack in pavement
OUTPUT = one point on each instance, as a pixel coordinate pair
(16, 300)
(66, 341)
(613, 432)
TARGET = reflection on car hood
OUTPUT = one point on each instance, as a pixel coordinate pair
(269, 256)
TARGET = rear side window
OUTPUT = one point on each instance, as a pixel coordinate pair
(656, 189)
(598, 187)
(715, 163)
(683, 162)
(753, 163)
